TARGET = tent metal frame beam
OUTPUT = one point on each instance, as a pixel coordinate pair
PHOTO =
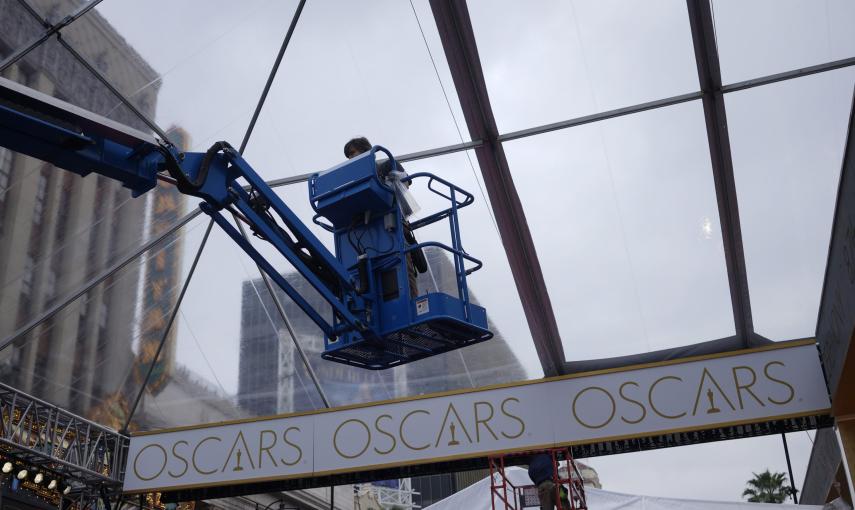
(789, 75)
(596, 117)
(675, 100)
(721, 159)
(272, 75)
(461, 51)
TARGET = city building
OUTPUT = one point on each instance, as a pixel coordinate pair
(273, 379)
(58, 230)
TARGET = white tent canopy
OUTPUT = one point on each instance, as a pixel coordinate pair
(477, 497)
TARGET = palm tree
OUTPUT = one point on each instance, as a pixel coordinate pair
(767, 488)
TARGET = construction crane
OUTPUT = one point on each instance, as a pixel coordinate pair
(378, 321)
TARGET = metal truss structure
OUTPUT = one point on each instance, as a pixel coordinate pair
(567, 480)
(400, 498)
(390, 498)
(44, 437)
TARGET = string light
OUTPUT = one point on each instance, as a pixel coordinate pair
(63, 488)
(51, 493)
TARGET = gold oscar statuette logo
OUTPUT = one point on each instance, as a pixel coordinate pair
(453, 442)
(713, 409)
(238, 467)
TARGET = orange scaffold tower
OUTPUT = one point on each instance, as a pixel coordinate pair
(508, 496)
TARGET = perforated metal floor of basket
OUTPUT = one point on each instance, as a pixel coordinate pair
(411, 344)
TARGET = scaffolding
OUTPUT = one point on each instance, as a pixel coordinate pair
(60, 455)
(569, 487)
(397, 497)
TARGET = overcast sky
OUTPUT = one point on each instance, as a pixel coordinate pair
(623, 212)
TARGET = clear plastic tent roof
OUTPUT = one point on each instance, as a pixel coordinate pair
(623, 209)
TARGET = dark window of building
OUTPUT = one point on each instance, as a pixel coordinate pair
(40, 199)
(39, 211)
(101, 353)
(79, 366)
(119, 197)
(27, 277)
(43, 352)
(26, 291)
(65, 195)
(6, 160)
(432, 488)
(95, 260)
(5, 168)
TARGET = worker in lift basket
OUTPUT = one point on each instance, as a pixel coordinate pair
(416, 261)
(541, 470)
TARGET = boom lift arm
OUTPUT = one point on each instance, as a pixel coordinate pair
(378, 322)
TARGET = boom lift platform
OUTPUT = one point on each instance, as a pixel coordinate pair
(378, 320)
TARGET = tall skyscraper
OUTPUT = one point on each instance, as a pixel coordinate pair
(58, 230)
(272, 378)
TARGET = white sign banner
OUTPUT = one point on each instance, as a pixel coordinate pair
(782, 381)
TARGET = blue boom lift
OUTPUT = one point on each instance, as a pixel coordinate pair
(378, 320)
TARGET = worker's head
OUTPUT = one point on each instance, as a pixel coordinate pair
(356, 146)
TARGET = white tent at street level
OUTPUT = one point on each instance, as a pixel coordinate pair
(477, 497)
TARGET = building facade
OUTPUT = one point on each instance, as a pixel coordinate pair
(272, 378)
(58, 230)
(831, 470)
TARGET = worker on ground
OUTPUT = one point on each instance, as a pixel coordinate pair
(541, 470)
(416, 261)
